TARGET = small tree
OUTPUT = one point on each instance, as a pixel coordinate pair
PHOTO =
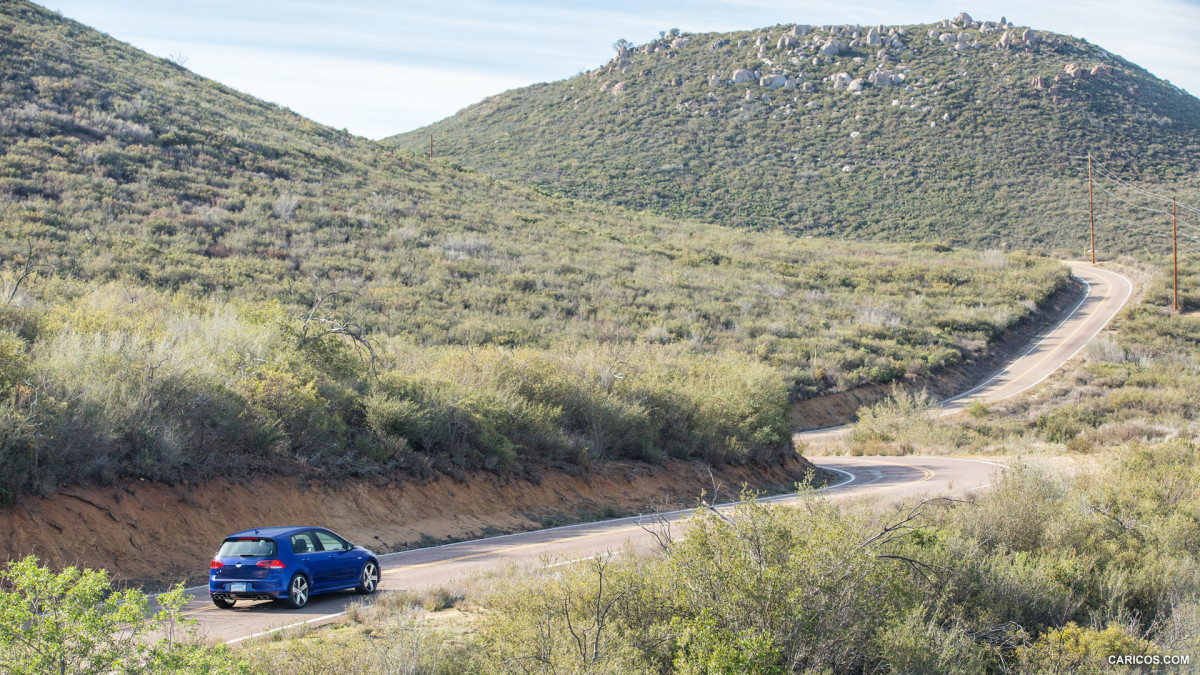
(73, 622)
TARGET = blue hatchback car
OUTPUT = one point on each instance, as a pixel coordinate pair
(290, 564)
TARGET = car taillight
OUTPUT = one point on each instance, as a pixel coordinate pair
(215, 565)
(272, 564)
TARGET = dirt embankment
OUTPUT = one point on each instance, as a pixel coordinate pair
(148, 533)
(841, 407)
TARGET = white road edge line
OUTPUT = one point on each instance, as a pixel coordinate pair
(290, 625)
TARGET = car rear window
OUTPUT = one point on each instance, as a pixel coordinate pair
(247, 547)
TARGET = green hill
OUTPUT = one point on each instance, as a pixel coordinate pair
(910, 138)
(197, 284)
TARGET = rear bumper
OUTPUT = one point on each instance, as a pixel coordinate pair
(257, 588)
(249, 595)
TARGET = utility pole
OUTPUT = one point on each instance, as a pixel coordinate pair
(430, 146)
(1175, 251)
(1091, 209)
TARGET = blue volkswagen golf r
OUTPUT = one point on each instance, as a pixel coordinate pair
(290, 564)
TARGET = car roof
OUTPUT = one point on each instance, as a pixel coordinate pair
(272, 532)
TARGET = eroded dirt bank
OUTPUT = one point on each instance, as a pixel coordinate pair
(148, 533)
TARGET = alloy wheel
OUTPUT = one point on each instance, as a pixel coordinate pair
(299, 591)
(370, 577)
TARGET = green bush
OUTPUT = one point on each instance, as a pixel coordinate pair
(74, 622)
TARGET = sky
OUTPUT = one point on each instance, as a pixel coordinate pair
(378, 68)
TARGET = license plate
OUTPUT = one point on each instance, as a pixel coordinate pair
(237, 588)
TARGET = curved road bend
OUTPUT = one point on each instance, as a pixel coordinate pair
(1107, 293)
(890, 477)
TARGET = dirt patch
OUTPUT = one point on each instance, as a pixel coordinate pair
(842, 407)
(149, 534)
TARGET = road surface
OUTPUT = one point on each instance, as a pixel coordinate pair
(888, 477)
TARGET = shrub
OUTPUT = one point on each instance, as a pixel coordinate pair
(904, 415)
(1072, 649)
(72, 621)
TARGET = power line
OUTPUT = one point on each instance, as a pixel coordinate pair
(1142, 207)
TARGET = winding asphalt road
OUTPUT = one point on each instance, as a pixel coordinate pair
(874, 477)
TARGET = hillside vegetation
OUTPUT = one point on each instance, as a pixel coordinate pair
(1043, 572)
(962, 131)
(199, 284)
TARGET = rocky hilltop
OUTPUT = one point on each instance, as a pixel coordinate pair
(965, 130)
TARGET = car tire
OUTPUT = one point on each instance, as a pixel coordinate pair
(223, 602)
(368, 581)
(298, 592)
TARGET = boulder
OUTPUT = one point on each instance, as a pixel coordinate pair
(934, 33)
(618, 89)
(830, 47)
(762, 40)
(946, 38)
(679, 42)
(742, 75)
(808, 86)
(718, 44)
(772, 81)
(873, 37)
(1005, 41)
(801, 31)
(840, 81)
(881, 79)
(964, 37)
(749, 95)
(855, 86)
(963, 19)
(714, 80)
(1038, 82)
(785, 42)
(1075, 71)
(1029, 37)
(1101, 69)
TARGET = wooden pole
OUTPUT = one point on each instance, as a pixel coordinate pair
(1091, 209)
(1175, 251)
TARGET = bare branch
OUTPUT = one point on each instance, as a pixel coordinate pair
(31, 266)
